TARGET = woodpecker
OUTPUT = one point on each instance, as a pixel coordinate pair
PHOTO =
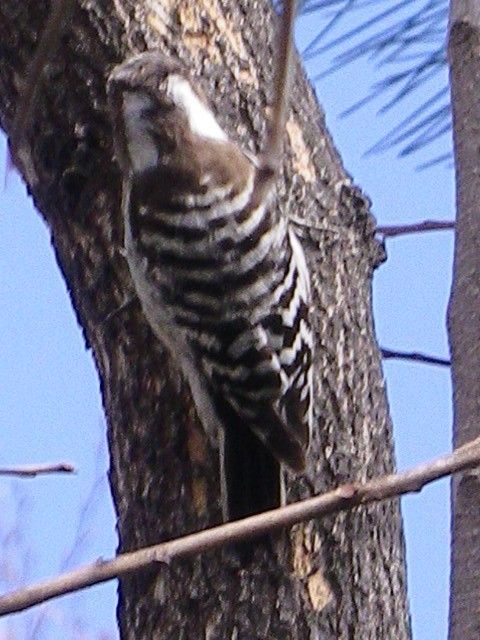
(221, 276)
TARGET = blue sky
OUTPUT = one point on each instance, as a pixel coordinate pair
(50, 408)
(410, 298)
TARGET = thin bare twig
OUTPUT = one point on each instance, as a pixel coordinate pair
(415, 356)
(390, 231)
(32, 470)
(343, 498)
(272, 154)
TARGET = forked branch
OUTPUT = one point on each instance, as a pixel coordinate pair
(343, 498)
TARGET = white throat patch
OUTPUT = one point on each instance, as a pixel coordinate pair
(200, 118)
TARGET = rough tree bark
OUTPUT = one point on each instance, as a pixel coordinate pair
(464, 315)
(340, 578)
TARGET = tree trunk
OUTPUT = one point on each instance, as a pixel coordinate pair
(339, 578)
(464, 315)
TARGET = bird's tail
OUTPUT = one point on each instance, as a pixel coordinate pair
(251, 476)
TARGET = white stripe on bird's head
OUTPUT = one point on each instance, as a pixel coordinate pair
(199, 117)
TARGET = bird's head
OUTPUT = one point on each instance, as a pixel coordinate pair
(166, 136)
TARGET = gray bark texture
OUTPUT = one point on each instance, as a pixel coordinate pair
(340, 578)
(464, 315)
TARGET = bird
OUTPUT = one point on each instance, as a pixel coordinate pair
(220, 274)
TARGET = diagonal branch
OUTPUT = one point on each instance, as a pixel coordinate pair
(343, 498)
(57, 21)
(415, 356)
(33, 470)
(391, 231)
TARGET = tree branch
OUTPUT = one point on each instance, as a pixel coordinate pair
(59, 16)
(415, 356)
(343, 498)
(390, 231)
(32, 470)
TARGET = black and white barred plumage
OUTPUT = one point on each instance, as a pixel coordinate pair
(221, 277)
